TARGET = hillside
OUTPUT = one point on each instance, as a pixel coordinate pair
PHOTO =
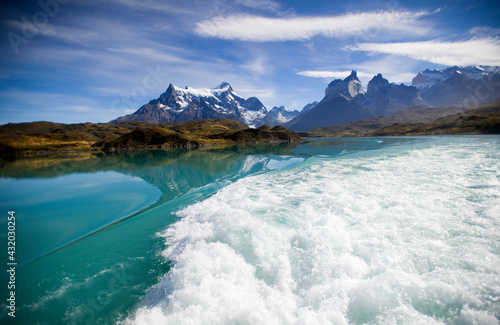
(47, 137)
(419, 115)
(484, 120)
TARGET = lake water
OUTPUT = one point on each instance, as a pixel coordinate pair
(331, 231)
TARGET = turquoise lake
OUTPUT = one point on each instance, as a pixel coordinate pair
(329, 231)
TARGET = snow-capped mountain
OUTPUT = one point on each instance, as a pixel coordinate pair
(427, 78)
(459, 86)
(345, 100)
(279, 116)
(180, 105)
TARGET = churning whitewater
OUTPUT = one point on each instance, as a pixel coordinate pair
(406, 234)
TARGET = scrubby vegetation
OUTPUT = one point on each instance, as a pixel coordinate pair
(485, 120)
(420, 121)
(48, 137)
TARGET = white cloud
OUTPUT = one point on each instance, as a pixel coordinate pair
(477, 51)
(394, 68)
(263, 29)
(258, 67)
(404, 77)
(331, 74)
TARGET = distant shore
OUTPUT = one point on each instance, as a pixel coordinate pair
(420, 121)
(47, 138)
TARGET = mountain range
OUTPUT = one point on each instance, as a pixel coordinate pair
(182, 105)
(459, 86)
(345, 100)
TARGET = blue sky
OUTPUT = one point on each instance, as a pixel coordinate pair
(91, 61)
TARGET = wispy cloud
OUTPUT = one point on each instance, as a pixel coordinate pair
(152, 5)
(261, 4)
(263, 29)
(199, 7)
(152, 54)
(477, 51)
(484, 31)
(331, 74)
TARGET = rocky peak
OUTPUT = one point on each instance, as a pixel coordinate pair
(275, 111)
(254, 104)
(167, 98)
(279, 115)
(352, 76)
(348, 88)
(224, 86)
(309, 106)
(376, 85)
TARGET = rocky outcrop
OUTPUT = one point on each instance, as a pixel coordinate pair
(384, 98)
(348, 88)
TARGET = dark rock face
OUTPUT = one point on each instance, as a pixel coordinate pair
(384, 98)
(330, 111)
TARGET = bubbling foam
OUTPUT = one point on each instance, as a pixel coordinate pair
(397, 236)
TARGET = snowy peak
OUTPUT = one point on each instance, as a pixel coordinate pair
(224, 86)
(200, 92)
(427, 78)
(184, 104)
(278, 116)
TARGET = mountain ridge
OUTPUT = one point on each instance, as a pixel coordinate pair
(344, 100)
(181, 105)
(454, 86)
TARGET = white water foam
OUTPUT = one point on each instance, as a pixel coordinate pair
(396, 237)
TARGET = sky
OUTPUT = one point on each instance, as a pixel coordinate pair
(73, 61)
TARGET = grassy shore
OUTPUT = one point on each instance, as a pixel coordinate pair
(49, 138)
